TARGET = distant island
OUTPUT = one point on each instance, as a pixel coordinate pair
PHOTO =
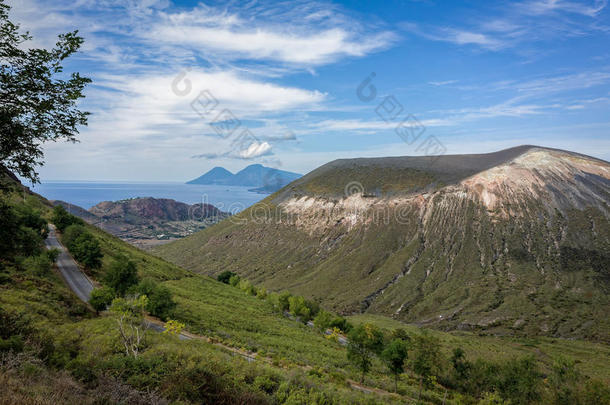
(263, 179)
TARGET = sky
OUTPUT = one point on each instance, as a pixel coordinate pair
(182, 86)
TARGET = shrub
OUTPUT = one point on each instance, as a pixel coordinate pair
(71, 233)
(62, 219)
(86, 250)
(261, 293)
(53, 254)
(298, 307)
(323, 320)
(121, 275)
(342, 324)
(283, 301)
(38, 265)
(225, 276)
(519, 381)
(83, 246)
(247, 287)
(234, 280)
(160, 302)
(101, 298)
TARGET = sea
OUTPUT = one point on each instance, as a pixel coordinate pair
(87, 194)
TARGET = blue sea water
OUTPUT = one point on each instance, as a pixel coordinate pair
(87, 194)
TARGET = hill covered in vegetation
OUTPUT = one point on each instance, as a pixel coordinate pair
(247, 345)
(515, 242)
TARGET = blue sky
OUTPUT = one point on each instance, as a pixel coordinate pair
(182, 86)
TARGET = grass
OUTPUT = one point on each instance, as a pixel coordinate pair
(592, 359)
(303, 364)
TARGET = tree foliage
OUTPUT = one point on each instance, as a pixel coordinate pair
(364, 341)
(62, 219)
(160, 301)
(37, 104)
(121, 275)
(394, 355)
(426, 359)
(83, 246)
(101, 298)
(128, 313)
(22, 231)
(225, 276)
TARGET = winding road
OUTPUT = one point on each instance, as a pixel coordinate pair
(80, 284)
(75, 278)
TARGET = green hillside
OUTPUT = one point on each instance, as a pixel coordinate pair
(52, 341)
(432, 253)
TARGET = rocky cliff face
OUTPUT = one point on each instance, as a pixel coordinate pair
(153, 209)
(512, 242)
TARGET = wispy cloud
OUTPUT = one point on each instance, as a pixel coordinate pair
(546, 7)
(518, 24)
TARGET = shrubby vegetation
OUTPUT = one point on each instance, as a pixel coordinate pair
(160, 302)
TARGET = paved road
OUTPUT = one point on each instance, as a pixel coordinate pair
(77, 281)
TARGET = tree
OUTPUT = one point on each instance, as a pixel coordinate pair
(101, 298)
(461, 366)
(121, 275)
(36, 105)
(86, 250)
(363, 342)
(283, 301)
(322, 320)
(394, 355)
(225, 276)
(520, 381)
(426, 358)
(128, 314)
(298, 308)
(62, 219)
(160, 301)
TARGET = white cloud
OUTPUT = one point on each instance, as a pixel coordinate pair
(256, 149)
(232, 41)
(550, 6)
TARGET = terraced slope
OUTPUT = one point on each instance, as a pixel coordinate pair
(513, 242)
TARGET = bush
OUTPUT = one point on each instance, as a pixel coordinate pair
(101, 298)
(283, 301)
(83, 246)
(62, 219)
(234, 280)
(86, 250)
(342, 324)
(71, 233)
(121, 275)
(247, 287)
(323, 320)
(53, 254)
(32, 218)
(225, 276)
(261, 293)
(38, 265)
(160, 302)
(298, 307)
